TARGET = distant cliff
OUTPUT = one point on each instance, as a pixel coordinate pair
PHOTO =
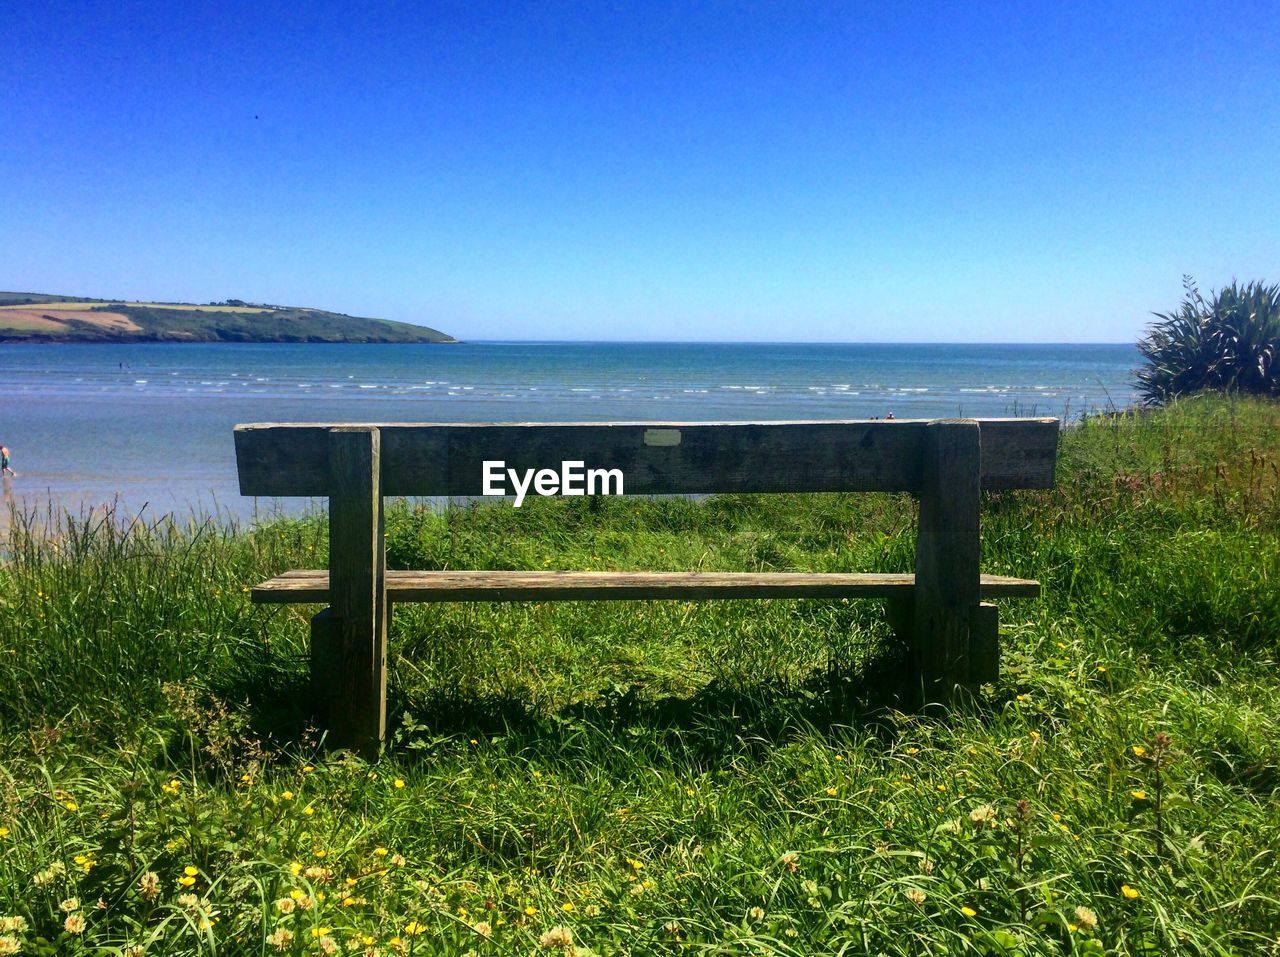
(39, 317)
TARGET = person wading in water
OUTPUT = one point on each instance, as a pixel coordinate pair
(4, 462)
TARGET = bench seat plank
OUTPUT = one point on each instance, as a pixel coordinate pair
(432, 586)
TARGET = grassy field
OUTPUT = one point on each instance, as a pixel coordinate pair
(666, 778)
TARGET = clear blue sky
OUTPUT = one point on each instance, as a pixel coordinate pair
(782, 171)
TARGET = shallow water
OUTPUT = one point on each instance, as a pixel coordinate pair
(152, 423)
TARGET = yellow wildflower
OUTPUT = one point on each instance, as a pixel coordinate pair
(1130, 893)
(968, 912)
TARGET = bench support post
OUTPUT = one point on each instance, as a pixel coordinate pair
(947, 557)
(984, 644)
(357, 591)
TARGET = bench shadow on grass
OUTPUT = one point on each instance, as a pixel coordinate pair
(723, 717)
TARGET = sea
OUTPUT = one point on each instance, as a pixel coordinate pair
(148, 427)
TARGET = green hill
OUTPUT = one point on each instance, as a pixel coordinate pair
(40, 317)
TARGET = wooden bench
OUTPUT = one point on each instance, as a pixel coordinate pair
(939, 611)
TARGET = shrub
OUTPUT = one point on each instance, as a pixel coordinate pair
(1229, 342)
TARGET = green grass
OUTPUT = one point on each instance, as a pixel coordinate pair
(658, 778)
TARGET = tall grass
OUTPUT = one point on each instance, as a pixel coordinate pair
(637, 778)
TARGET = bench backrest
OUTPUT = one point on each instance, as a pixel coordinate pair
(655, 458)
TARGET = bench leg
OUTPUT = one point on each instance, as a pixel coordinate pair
(984, 644)
(326, 664)
(358, 590)
(947, 556)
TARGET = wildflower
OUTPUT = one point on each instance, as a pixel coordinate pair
(926, 866)
(1022, 697)
(74, 924)
(567, 906)
(1130, 893)
(186, 880)
(1139, 751)
(13, 925)
(790, 861)
(397, 860)
(832, 792)
(4, 832)
(913, 750)
(530, 910)
(968, 911)
(280, 939)
(915, 895)
(557, 937)
(137, 950)
(982, 814)
(70, 805)
(399, 783)
(328, 946)
(286, 795)
(189, 901)
(70, 904)
(380, 852)
(319, 931)
(1087, 919)
(286, 905)
(9, 945)
(635, 865)
(295, 868)
(756, 913)
(484, 929)
(1138, 795)
(308, 810)
(149, 886)
(172, 788)
(49, 874)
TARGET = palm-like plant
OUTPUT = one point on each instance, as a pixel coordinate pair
(1229, 342)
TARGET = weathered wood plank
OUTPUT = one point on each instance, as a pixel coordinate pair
(948, 579)
(296, 587)
(656, 458)
(357, 589)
